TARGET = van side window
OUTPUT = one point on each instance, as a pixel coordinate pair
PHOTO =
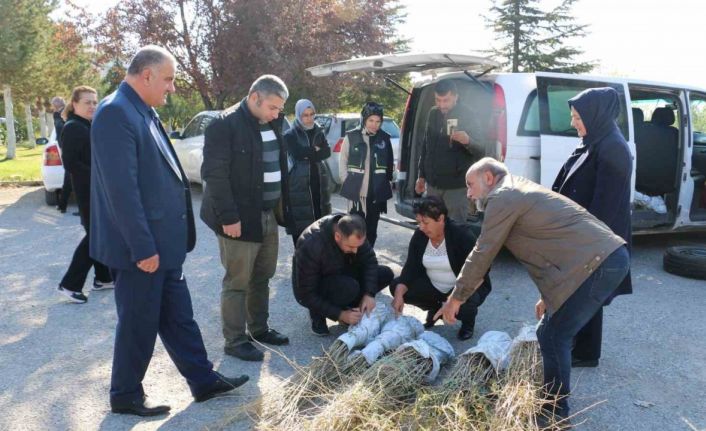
(529, 124)
(554, 95)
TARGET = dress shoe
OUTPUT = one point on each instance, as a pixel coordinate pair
(246, 352)
(466, 332)
(319, 327)
(584, 363)
(429, 323)
(221, 385)
(270, 337)
(140, 407)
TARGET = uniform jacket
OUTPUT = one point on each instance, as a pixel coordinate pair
(380, 168)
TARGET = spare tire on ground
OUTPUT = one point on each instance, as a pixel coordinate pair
(687, 261)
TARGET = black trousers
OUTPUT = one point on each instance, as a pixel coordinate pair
(422, 293)
(371, 216)
(587, 343)
(81, 263)
(66, 190)
(345, 291)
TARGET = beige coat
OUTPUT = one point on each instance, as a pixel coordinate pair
(558, 241)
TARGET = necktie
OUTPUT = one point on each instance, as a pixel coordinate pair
(155, 129)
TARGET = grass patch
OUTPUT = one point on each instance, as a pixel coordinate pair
(26, 166)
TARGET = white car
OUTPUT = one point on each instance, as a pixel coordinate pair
(527, 125)
(335, 127)
(189, 143)
(52, 169)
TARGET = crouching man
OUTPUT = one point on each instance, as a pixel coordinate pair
(335, 273)
(575, 260)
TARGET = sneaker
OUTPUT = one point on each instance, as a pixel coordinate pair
(319, 327)
(76, 297)
(102, 285)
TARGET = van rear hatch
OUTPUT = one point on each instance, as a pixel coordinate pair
(478, 96)
(405, 63)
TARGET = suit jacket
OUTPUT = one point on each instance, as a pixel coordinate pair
(558, 241)
(140, 201)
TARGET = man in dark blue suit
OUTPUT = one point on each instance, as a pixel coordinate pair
(142, 226)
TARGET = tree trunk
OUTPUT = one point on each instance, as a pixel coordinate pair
(9, 123)
(516, 39)
(43, 123)
(50, 124)
(30, 128)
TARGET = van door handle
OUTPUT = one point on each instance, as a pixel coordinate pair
(535, 157)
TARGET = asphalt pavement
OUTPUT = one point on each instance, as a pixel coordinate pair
(55, 357)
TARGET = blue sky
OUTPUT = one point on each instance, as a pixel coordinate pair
(645, 39)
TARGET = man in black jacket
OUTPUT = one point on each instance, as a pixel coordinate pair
(447, 153)
(245, 172)
(335, 272)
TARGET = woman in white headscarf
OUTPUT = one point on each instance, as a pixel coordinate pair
(309, 195)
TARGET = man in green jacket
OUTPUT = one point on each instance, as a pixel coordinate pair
(575, 260)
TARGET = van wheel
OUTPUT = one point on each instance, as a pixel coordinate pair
(687, 261)
(51, 198)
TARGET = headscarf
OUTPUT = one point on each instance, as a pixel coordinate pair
(301, 106)
(599, 109)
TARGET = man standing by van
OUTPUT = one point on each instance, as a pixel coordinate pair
(446, 151)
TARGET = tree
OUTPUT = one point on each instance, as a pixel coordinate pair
(221, 46)
(21, 25)
(533, 40)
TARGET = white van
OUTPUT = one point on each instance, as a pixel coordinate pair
(528, 127)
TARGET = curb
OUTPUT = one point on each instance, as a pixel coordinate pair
(20, 183)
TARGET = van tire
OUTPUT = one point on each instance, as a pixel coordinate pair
(50, 198)
(687, 261)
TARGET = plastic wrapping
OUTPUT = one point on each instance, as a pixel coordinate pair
(393, 334)
(432, 346)
(495, 346)
(367, 329)
(655, 203)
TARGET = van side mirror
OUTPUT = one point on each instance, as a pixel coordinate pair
(175, 135)
(42, 141)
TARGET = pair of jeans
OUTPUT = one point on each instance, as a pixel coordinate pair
(557, 330)
(245, 293)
